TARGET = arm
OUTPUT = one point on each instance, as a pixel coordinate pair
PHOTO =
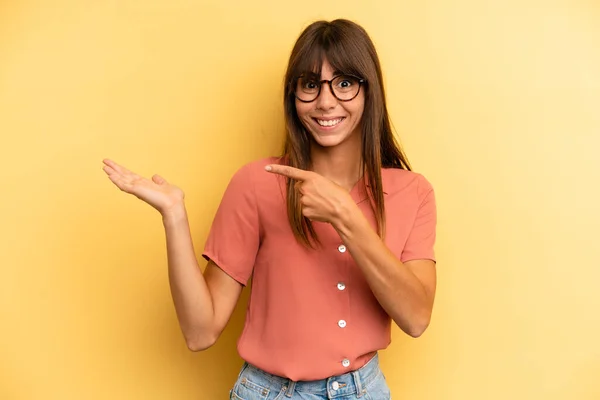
(406, 291)
(204, 303)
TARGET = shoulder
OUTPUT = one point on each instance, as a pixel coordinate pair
(412, 183)
(253, 174)
(255, 169)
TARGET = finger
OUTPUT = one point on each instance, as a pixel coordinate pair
(307, 214)
(119, 168)
(123, 182)
(158, 179)
(109, 170)
(120, 183)
(116, 175)
(110, 163)
(290, 172)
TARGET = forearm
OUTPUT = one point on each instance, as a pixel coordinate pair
(400, 293)
(191, 296)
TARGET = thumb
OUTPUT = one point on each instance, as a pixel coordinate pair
(158, 179)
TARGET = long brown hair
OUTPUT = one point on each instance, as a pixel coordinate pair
(349, 49)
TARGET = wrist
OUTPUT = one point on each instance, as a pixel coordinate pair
(345, 218)
(174, 213)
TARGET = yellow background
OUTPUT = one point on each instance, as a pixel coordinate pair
(496, 102)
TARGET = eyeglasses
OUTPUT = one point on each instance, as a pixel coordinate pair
(343, 87)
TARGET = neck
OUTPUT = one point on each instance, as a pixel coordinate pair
(340, 164)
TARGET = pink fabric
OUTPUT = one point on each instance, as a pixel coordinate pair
(299, 296)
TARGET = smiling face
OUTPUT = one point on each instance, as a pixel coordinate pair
(329, 120)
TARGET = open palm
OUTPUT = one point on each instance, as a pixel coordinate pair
(156, 191)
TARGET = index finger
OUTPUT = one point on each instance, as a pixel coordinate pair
(290, 172)
(119, 168)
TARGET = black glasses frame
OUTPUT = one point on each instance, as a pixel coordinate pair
(329, 82)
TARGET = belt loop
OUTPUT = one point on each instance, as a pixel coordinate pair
(291, 385)
(358, 384)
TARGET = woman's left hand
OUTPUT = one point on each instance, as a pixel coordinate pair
(321, 199)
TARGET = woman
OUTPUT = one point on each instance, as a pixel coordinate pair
(337, 235)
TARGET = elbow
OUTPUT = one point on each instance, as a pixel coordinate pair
(198, 346)
(417, 330)
(417, 326)
(198, 343)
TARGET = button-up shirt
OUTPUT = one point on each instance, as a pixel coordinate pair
(311, 313)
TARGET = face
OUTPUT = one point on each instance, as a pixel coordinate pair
(329, 120)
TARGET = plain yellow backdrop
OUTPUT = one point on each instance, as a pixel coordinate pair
(496, 102)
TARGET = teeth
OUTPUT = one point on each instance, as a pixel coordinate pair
(330, 122)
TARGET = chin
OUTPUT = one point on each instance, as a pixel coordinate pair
(328, 141)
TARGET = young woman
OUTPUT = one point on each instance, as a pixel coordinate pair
(337, 235)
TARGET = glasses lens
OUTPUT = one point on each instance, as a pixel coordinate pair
(345, 87)
(307, 88)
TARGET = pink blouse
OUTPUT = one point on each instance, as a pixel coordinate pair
(311, 313)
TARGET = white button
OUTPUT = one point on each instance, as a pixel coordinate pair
(346, 363)
(342, 323)
(341, 286)
(342, 248)
(335, 386)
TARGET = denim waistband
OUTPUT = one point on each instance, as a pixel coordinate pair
(354, 382)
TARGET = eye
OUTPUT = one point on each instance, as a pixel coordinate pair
(345, 83)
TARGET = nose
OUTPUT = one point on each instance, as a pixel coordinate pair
(326, 99)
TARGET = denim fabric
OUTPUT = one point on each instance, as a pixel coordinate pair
(366, 383)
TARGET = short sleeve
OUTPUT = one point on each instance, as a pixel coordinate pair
(233, 239)
(421, 239)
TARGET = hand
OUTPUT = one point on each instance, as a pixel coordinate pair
(321, 199)
(157, 192)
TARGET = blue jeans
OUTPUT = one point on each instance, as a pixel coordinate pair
(366, 383)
